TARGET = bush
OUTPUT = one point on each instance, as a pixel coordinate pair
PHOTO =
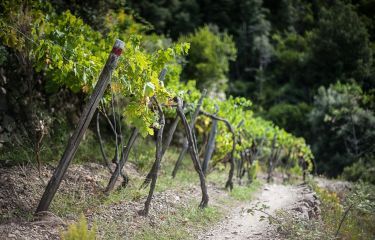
(363, 170)
(344, 122)
(80, 231)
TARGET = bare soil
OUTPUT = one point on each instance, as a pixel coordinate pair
(21, 189)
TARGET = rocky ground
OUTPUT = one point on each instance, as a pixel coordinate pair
(21, 189)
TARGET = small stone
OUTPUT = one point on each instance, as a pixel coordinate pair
(10, 235)
(297, 209)
(89, 178)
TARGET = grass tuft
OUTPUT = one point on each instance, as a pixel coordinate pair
(245, 193)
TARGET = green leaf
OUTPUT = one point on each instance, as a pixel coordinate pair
(149, 89)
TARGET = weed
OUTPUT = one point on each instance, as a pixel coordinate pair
(79, 231)
(182, 223)
(69, 204)
(349, 218)
(295, 228)
(244, 193)
(51, 149)
(131, 193)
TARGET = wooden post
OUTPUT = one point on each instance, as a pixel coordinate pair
(271, 159)
(229, 182)
(211, 144)
(123, 159)
(83, 123)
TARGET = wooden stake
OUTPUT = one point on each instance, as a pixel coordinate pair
(210, 146)
(83, 123)
(229, 183)
(271, 160)
(124, 158)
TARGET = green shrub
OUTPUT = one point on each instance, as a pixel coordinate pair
(245, 193)
(358, 224)
(80, 231)
(363, 170)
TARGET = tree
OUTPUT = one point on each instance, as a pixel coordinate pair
(290, 116)
(290, 15)
(209, 57)
(340, 48)
(344, 125)
(171, 17)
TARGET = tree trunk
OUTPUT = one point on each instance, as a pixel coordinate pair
(186, 145)
(193, 153)
(158, 158)
(167, 142)
(170, 134)
(98, 133)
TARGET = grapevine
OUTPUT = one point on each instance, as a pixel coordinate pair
(70, 54)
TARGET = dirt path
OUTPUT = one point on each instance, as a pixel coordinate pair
(242, 225)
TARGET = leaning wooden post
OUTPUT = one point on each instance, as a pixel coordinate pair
(271, 159)
(229, 182)
(83, 123)
(211, 144)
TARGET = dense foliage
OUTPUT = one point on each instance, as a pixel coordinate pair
(65, 52)
(344, 114)
(262, 80)
(282, 55)
(286, 50)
